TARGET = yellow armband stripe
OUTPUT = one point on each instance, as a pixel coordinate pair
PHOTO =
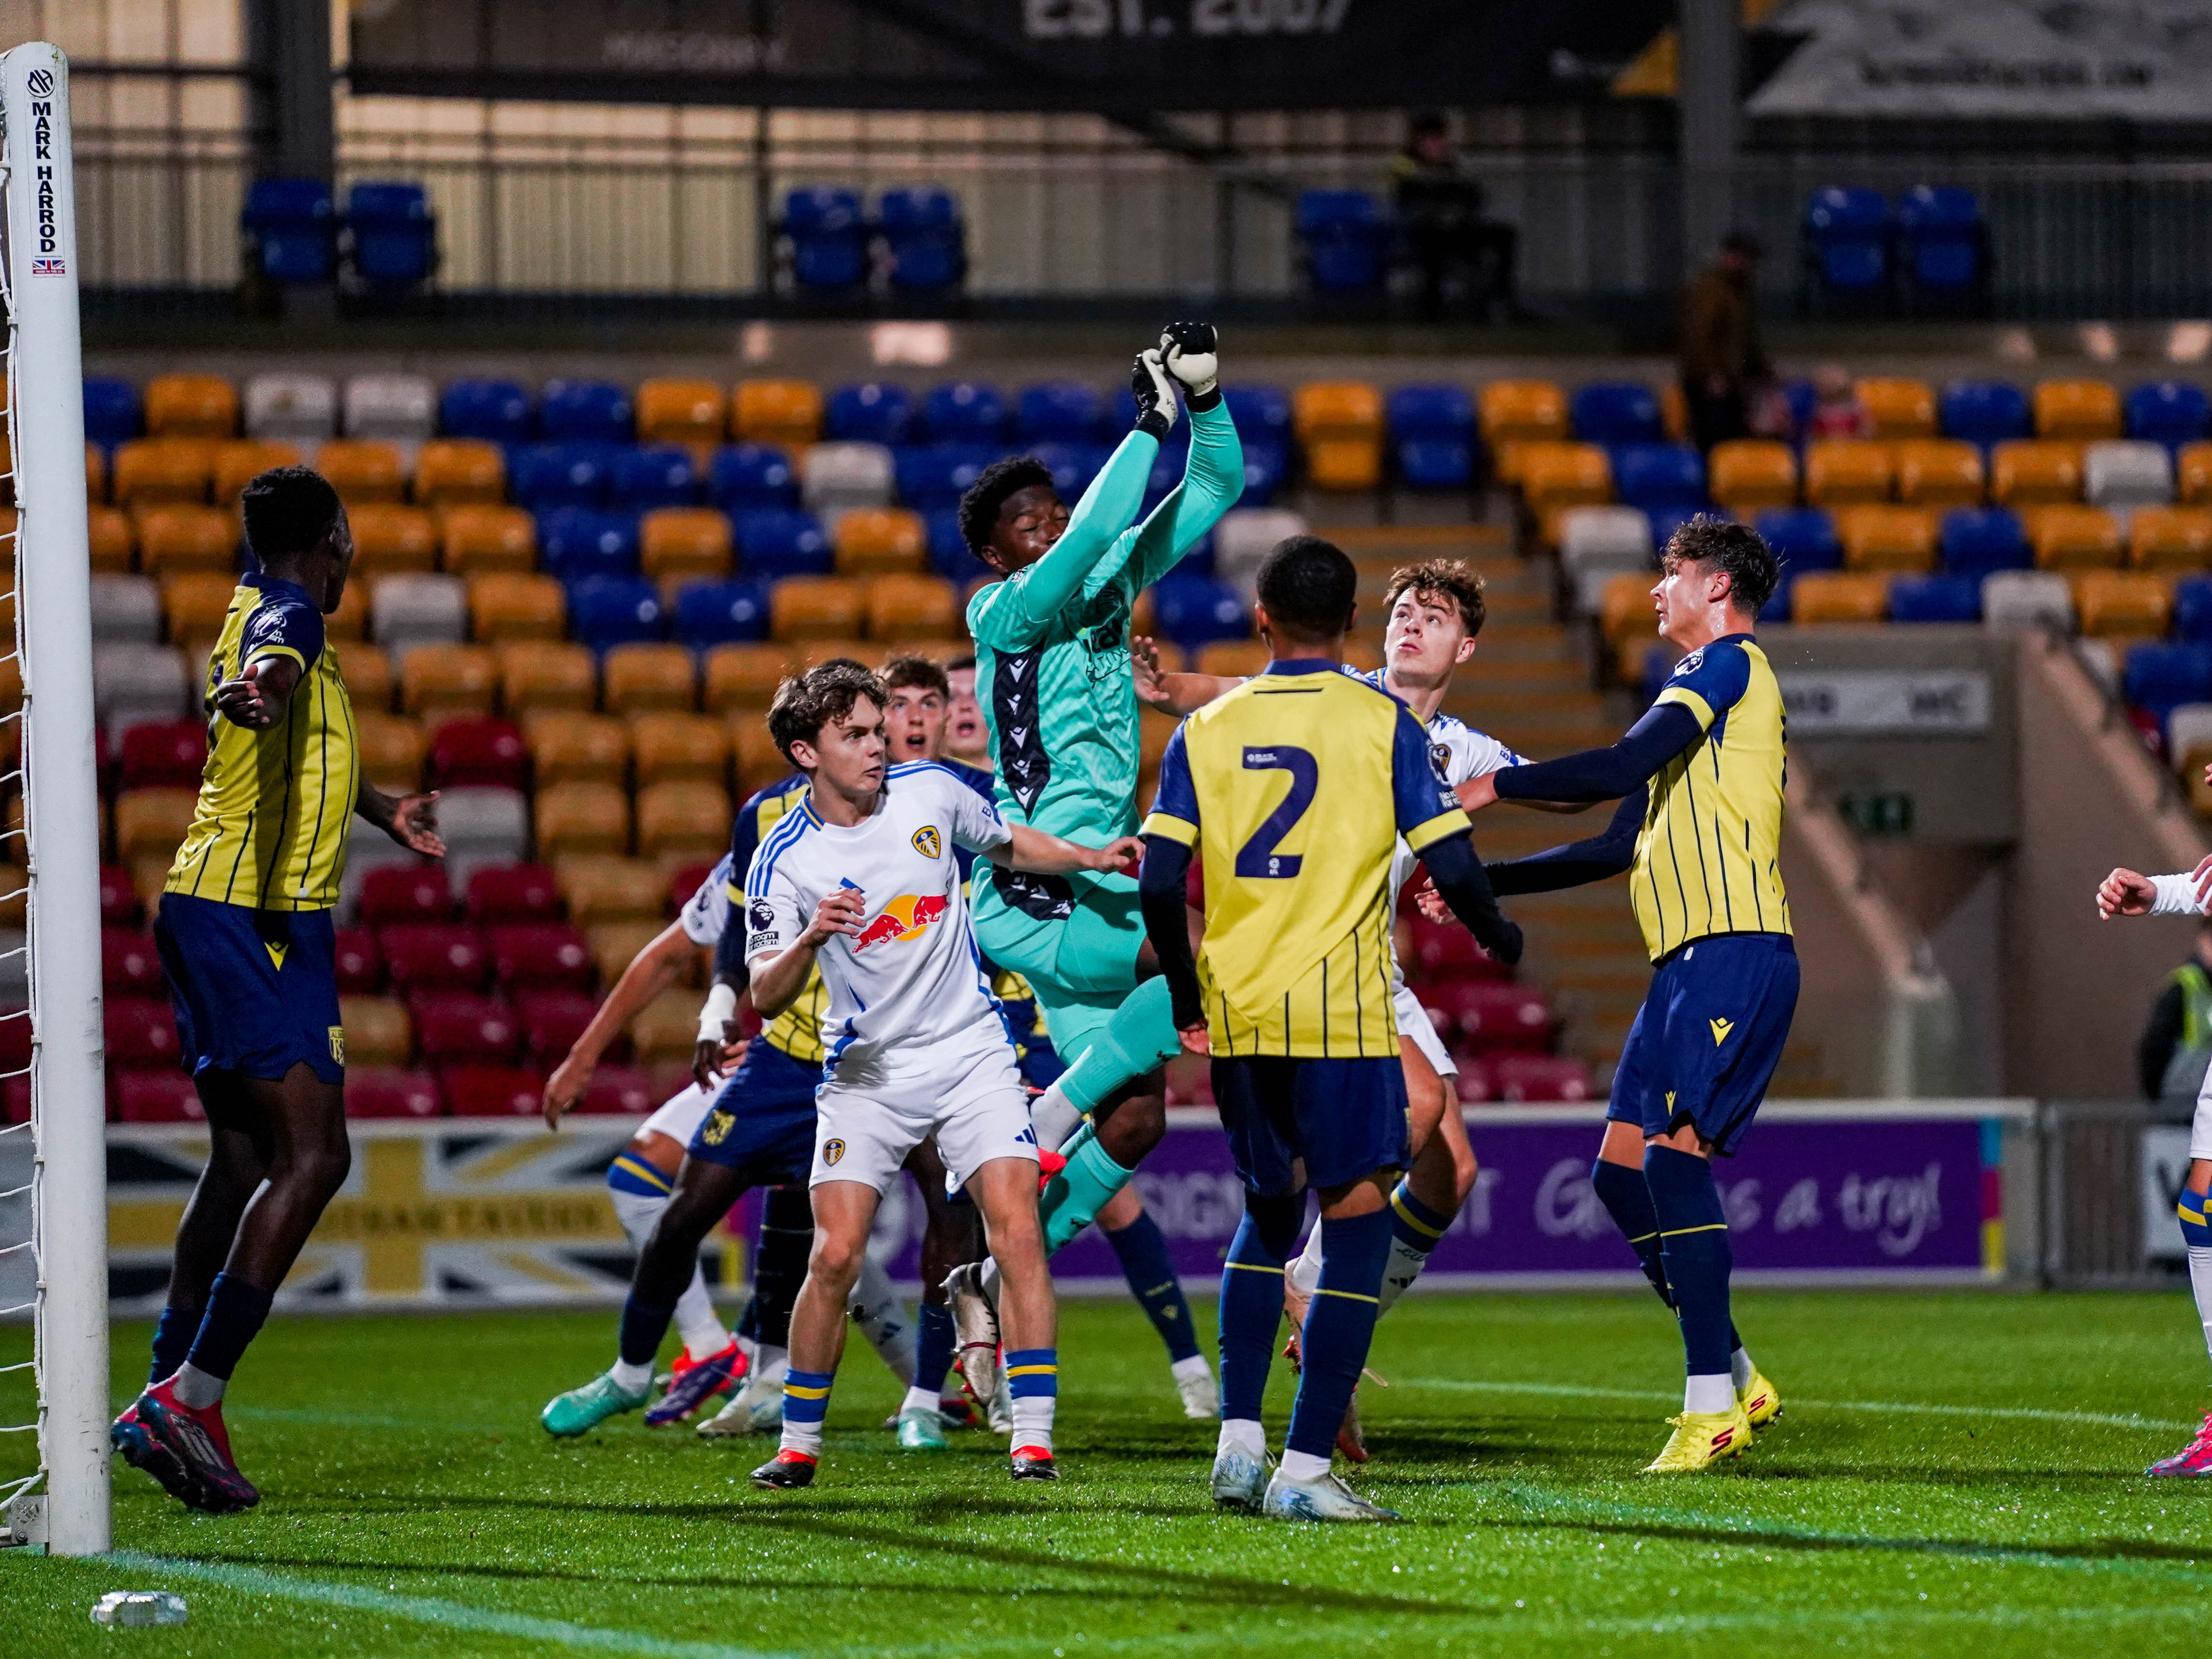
(1453, 822)
(1168, 827)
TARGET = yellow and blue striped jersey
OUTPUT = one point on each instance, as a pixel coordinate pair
(276, 805)
(1295, 786)
(1708, 860)
(798, 1030)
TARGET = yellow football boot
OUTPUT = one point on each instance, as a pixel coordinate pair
(1700, 1440)
(1761, 1405)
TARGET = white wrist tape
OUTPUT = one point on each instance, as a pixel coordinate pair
(2175, 897)
(721, 1005)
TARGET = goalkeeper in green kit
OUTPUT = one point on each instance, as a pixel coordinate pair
(1052, 675)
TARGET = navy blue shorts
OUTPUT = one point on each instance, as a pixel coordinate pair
(256, 992)
(1344, 1118)
(762, 1119)
(1708, 1037)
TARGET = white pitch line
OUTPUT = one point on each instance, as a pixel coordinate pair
(2020, 1413)
(428, 1610)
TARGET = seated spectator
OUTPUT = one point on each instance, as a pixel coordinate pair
(1439, 204)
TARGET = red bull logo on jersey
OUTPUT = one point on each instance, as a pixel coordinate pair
(906, 916)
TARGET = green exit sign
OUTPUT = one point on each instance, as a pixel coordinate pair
(1877, 815)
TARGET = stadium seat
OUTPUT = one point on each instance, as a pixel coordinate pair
(156, 1096)
(1845, 245)
(1491, 1014)
(442, 682)
(1196, 610)
(176, 539)
(195, 604)
(1753, 475)
(1520, 412)
(363, 470)
(880, 541)
(1597, 543)
(2077, 411)
(553, 1020)
(605, 611)
(126, 608)
(648, 677)
(540, 956)
(2073, 537)
(411, 610)
(505, 606)
(135, 682)
(745, 477)
(545, 477)
(2193, 611)
(391, 235)
(1073, 466)
(1344, 234)
(1244, 538)
(1338, 425)
(2120, 475)
(678, 747)
(491, 1090)
(718, 613)
(479, 753)
(396, 894)
(398, 408)
(457, 1029)
(1941, 244)
(2168, 412)
(111, 412)
(512, 893)
(433, 955)
(451, 471)
(378, 1033)
(379, 1093)
(777, 543)
(816, 608)
(680, 821)
(1935, 600)
(191, 406)
(2192, 473)
(150, 824)
(2122, 603)
(742, 678)
(672, 411)
(1059, 412)
(1975, 541)
(536, 675)
(1431, 431)
(840, 478)
(356, 962)
(964, 412)
(151, 471)
(1898, 408)
(140, 1031)
(2021, 598)
(1985, 412)
(2170, 538)
(569, 746)
(391, 749)
(2158, 678)
(1823, 596)
(582, 818)
(600, 889)
(496, 411)
(130, 965)
(1654, 476)
(1887, 539)
(576, 542)
(368, 674)
(1804, 538)
(1612, 412)
(650, 475)
(924, 239)
(483, 826)
(1846, 472)
(393, 540)
(621, 1091)
(110, 538)
(828, 238)
(586, 412)
(1938, 472)
(876, 412)
(950, 555)
(936, 474)
(162, 755)
(786, 412)
(2029, 472)
(237, 461)
(913, 607)
(1556, 477)
(680, 544)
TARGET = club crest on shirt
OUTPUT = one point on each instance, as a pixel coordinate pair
(907, 916)
(1689, 664)
(832, 1150)
(927, 841)
(1440, 758)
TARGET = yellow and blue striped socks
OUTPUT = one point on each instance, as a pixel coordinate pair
(1033, 1379)
(805, 1403)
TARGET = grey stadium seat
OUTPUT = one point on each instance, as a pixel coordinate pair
(134, 683)
(839, 477)
(2026, 599)
(296, 409)
(126, 609)
(1244, 538)
(1597, 543)
(482, 826)
(406, 611)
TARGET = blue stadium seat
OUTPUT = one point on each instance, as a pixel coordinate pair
(1345, 235)
(1802, 538)
(1432, 434)
(1616, 412)
(749, 475)
(112, 415)
(1801, 397)
(1845, 242)
(2193, 611)
(1266, 465)
(1666, 521)
(1984, 411)
(647, 475)
(924, 237)
(964, 411)
(936, 475)
(1072, 465)
(720, 613)
(547, 476)
(605, 611)
(391, 235)
(293, 230)
(775, 541)
(2169, 412)
(1168, 467)
(1941, 251)
(497, 411)
(828, 238)
(1653, 476)
(950, 555)
(1195, 611)
(1059, 412)
(1262, 413)
(586, 412)
(2161, 677)
(575, 543)
(1935, 600)
(1973, 541)
(873, 412)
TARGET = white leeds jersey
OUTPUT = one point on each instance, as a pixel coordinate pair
(706, 914)
(911, 980)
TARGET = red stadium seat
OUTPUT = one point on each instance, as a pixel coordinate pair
(119, 899)
(1445, 947)
(359, 963)
(15, 1100)
(618, 1089)
(15, 1040)
(687, 881)
(457, 1028)
(141, 1031)
(382, 1091)
(512, 893)
(492, 1091)
(485, 750)
(433, 957)
(1490, 1015)
(552, 1021)
(1477, 1086)
(129, 964)
(164, 754)
(157, 1096)
(392, 894)
(1539, 1078)
(541, 956)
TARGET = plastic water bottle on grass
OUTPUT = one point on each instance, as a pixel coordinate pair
(134, 1608)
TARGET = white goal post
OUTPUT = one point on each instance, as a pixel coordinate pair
(53, 649)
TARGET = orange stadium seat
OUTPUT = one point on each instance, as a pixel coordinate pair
(1898, 408)
(96, 474)
(112, 543)
(172, 539)
(478, 538)
(786, 412)
(913, 608)
(2170, 538)
(2080, 410)
(363, 470)
(581, 818)
(195, 603)
(240, 461)
(377, 1030)
(1625, 619)
(505, 606)
(1840, 595)
(191, 406)
(542, 674)
(681, 412)
(460, 472)
(149, 470)
(2192, 475)
(2029, 472)
(151, 823)
(598, 890)
(658, 1034)
(2071, 537)
(1338, 425)
(444, 681)
(1674, 413)
(816, 608)
(812, 653)
(680, 748)
(2122, 603)
(366, 672)
(875, 540)
(391, 748)
(685, 543)
(1749, 475)
(682, 822)
(389, 540)
(1844, 471)
(566, 747)
(1878, 537)
(1231, 659)
(643, 679)
(759, 762)
(1557, 477)
(615, 944)
(745, 676)
(1938, 472)
(350, 620)
(1520, 412)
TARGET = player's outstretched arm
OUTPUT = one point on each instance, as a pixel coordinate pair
(651, 971)
(1049, 855)
(1172, 693)
(1577, 863)
(1213, 474)
(1160, 890)
(778, 977)
(1459, 877)
(2129, 893)
(257, 697)
(1609, 774)
(410, 820)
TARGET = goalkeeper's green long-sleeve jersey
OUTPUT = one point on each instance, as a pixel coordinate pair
(1052, 641)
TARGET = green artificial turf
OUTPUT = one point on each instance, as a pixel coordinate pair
(1955, 1473)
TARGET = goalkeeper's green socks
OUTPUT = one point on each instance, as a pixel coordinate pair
(1141, 1035)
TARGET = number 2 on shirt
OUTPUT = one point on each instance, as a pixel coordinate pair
(1257, 859)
